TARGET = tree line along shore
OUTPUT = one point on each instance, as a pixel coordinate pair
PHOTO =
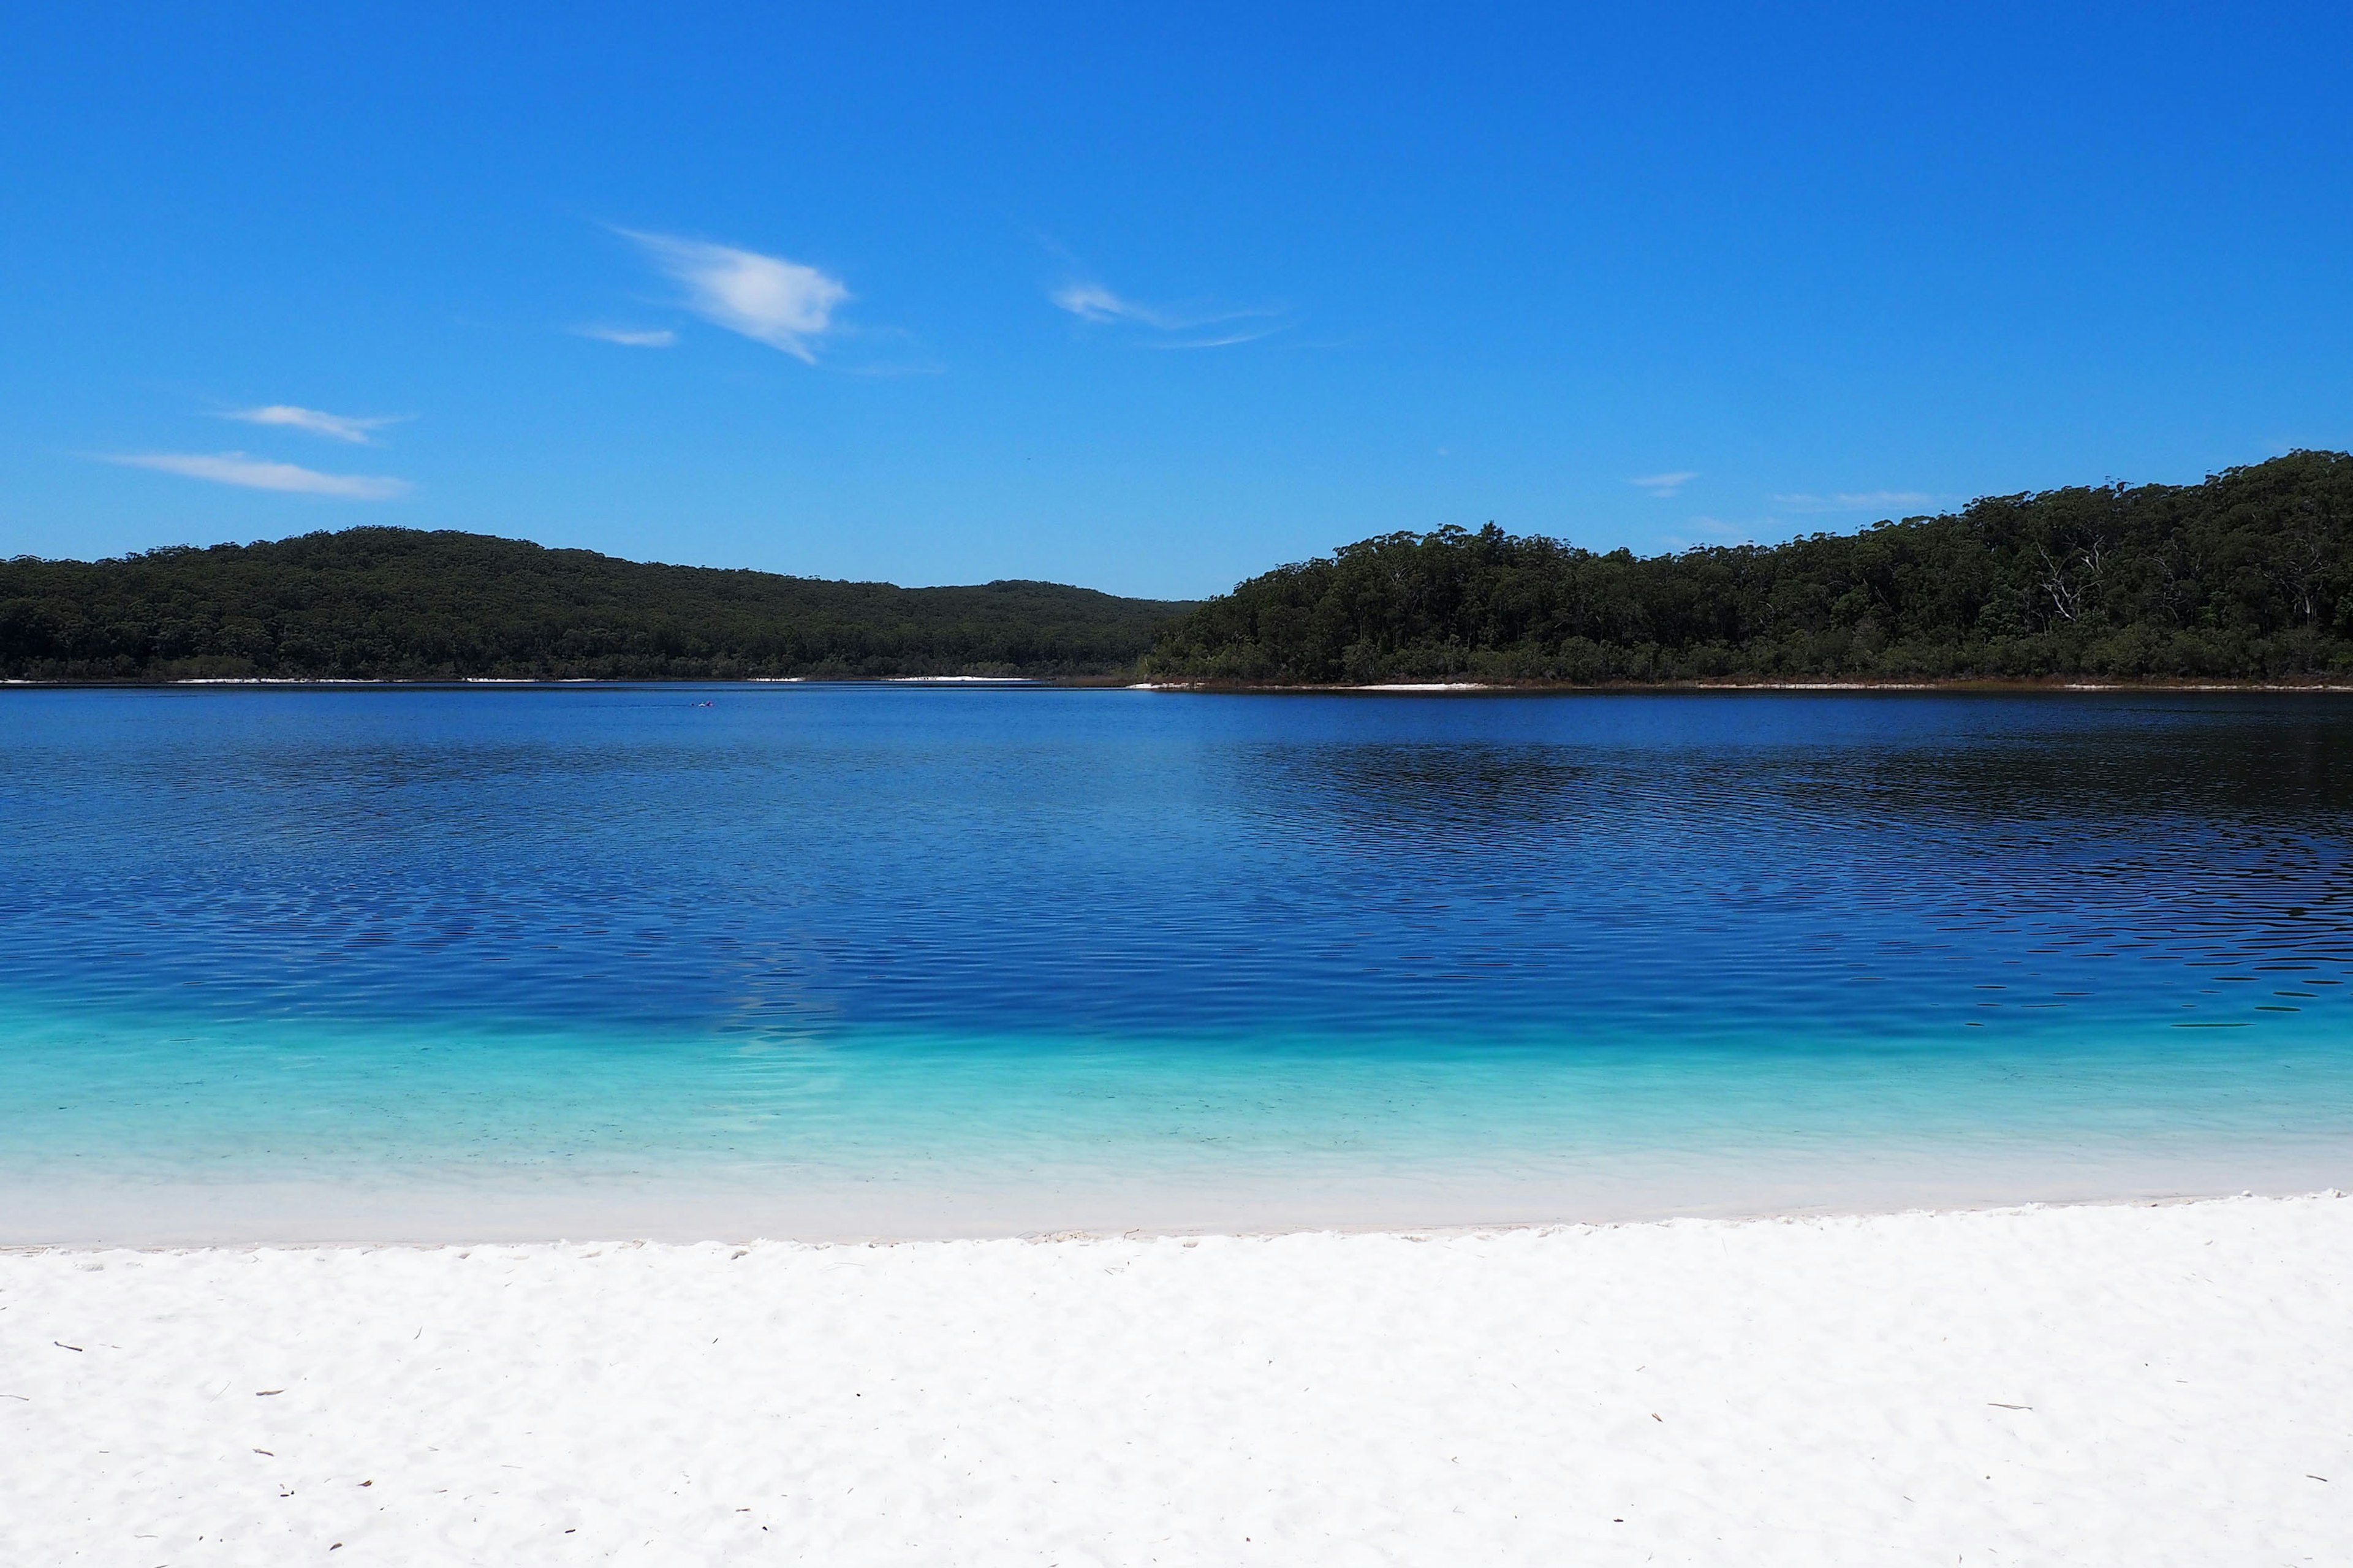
(2245, 577)
(391, 603)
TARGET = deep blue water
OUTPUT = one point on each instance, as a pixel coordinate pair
(974, 956)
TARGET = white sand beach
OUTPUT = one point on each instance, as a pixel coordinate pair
(2099, 1384)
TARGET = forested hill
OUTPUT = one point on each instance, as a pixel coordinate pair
(2246, 576)
(399, 604)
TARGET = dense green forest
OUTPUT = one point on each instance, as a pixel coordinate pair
(399, 604)
(2246, 576)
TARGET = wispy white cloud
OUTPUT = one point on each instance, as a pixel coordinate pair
(631, 337)
(260, 474)
(1664, 486)
(1092, 302)
(1853, 501)
(1222, 340)
(1710, 533)
(335, 427)
(781, 303)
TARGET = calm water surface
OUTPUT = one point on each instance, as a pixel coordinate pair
(912, 960)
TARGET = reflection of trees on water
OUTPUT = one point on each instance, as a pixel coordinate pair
(2221, 837)
(1146, 865)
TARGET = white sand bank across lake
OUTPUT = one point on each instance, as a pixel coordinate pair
(2143, 1385)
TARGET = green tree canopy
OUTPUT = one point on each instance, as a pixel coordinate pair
(399, 604)
(2248, 576)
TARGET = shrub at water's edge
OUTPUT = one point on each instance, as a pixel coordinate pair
(401, 604)
(2248, 576)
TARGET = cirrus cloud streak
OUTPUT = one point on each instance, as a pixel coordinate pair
(631, 337)
(784, 304)
(1093, 303)
(261, 474)
(334, 427)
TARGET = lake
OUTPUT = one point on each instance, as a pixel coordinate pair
(828, 960)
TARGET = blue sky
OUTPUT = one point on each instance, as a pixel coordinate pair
(1149, 300)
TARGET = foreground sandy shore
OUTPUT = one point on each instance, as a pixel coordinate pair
(2094, 1384)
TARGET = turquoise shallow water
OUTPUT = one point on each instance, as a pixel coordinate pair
(826, 960)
